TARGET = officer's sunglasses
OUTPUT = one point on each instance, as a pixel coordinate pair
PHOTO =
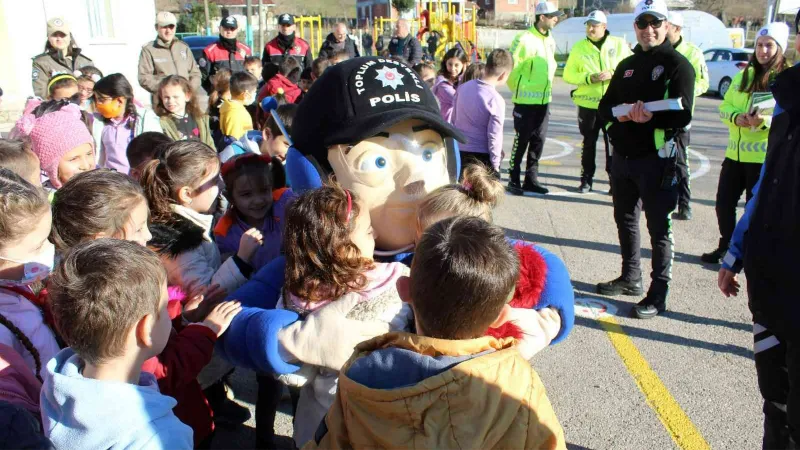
(171, 27)
(642, 24)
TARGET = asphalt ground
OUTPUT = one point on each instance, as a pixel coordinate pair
(685, 379)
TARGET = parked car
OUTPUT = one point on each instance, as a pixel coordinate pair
(198, 43)
(723, 64)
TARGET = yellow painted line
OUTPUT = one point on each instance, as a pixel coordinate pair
(669, 412)
(549, 162)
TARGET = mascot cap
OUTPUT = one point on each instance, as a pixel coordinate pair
(358, 98)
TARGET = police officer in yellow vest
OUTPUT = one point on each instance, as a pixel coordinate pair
(698, 61)
(590, 65)
(531, 83)
(749, 130)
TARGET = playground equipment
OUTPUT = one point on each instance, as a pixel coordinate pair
(456, 24)
(312, 24)
(453, 22)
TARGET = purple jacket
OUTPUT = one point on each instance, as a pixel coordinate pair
(230, 229)
(479, 112)
(445, 92)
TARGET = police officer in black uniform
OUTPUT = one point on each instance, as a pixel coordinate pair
(643, 168)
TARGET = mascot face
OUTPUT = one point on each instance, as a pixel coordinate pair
(376, 127)
(391, 173)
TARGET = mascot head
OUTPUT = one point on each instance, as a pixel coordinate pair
(374, 125)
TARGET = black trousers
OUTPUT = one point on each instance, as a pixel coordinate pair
(468, 158)
(636, 185)
(777, 358)
(270, 391)
(530, 124)
(591, 126)
(736, 177)
(684, 175)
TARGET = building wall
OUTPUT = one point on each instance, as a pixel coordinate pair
(111, 32)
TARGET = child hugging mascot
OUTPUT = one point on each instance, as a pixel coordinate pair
(375, 127)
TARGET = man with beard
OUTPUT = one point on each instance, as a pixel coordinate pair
(226, 53)
(287, 44)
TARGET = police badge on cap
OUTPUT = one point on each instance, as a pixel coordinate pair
(357, 99)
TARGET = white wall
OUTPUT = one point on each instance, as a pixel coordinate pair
(132, 25)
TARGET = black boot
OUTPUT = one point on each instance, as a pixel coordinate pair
(514, 188)
(585, 187)
(683, 213)
(620, 286)
(715, 257)
(654, 303)
(532, 181)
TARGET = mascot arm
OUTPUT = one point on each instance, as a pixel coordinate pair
(252, 340)
(558, 292)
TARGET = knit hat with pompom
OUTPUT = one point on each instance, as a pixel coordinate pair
(53, 135)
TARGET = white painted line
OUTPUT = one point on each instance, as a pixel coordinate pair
(592, 308)
(566, 150)
(705, 164)
(563, 124)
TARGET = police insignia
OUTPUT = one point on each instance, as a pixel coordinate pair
(202, 62)
(35, 75)
(612, 52)
(657, 71)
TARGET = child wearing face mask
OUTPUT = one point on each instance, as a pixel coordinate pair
(234, 118)
(256, 188)
(118, 121)
(26, 258)
(181, 116)
(453, 65)
(329, 242)
(59, 138)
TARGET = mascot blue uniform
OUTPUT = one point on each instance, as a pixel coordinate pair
(375, 126)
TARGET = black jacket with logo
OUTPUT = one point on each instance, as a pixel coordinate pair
(656, 74)
(329, 47)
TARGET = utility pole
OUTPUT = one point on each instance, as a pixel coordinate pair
(208, 19)
(261, 42)
(248, 30)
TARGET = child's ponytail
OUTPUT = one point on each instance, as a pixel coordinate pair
(476, 196)
(25, 343)
(176, 165)
(157, 191)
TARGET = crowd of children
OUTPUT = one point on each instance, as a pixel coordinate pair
(123, 229)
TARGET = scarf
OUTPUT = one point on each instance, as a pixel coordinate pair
(228, 44)
(285, 42)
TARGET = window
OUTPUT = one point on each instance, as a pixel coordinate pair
(709, 55)
(512, 2)
(741, 56)
(725, 56)
(101, 24)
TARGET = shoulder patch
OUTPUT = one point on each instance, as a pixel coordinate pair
(628, 73)
(35, 75)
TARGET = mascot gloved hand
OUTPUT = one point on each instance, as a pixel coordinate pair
(374, 126)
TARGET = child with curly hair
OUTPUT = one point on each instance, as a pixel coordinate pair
(329, 242)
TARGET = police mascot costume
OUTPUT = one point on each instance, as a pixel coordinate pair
(372, 125)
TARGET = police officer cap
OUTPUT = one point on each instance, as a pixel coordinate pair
(286, 19)
(229, 22)
(358, 98)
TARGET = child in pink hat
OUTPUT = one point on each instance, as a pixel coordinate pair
(60, 139)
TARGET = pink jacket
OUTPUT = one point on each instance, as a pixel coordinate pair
(18, 385)
(30, 320)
